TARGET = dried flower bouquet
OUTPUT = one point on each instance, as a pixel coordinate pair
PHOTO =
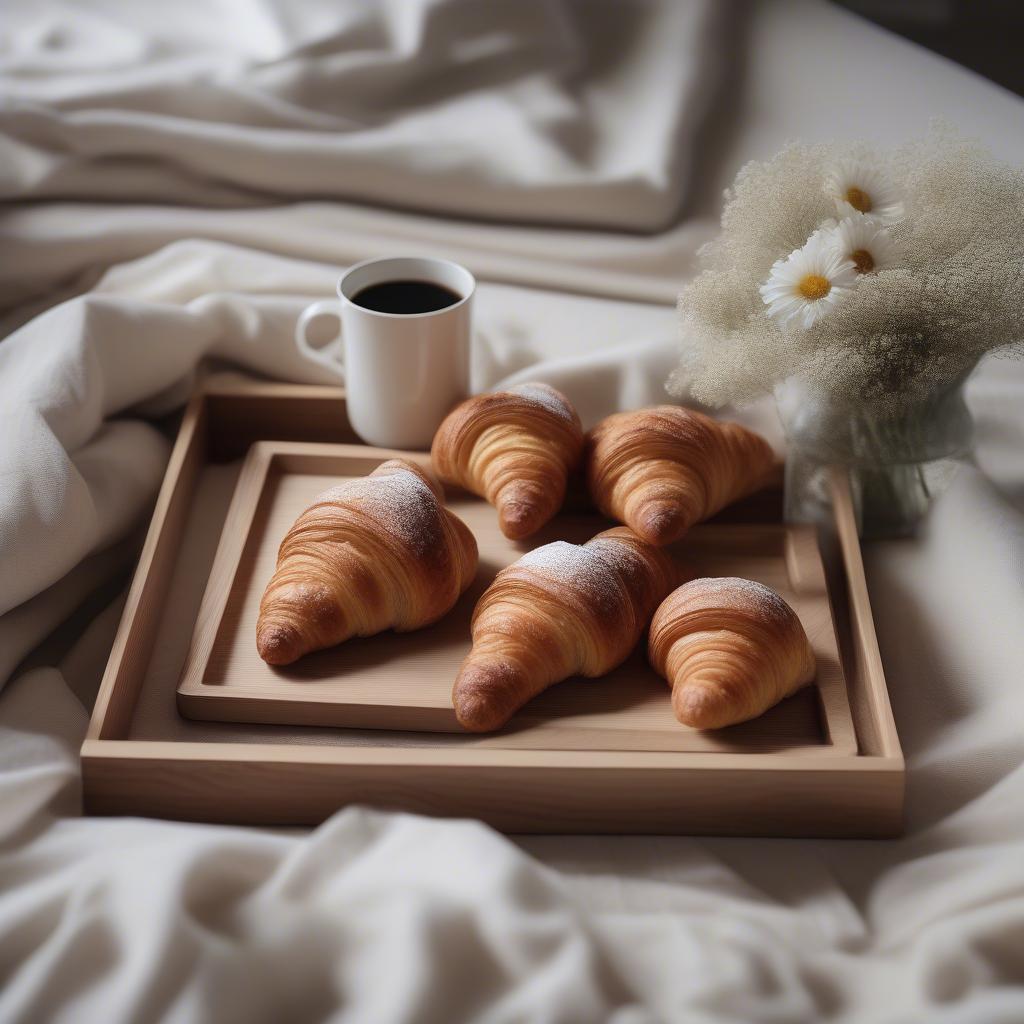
(870, 281)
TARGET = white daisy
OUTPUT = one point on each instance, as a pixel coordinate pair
(808, 283)
(865, 243)
(857, 188)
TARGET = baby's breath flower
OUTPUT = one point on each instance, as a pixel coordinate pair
(951, 287)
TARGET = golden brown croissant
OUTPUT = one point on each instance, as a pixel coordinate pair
(661, 470)
(369, 554)
(730, 649)
(516, 448)
(561, 610)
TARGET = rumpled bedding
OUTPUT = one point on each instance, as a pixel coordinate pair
(534, 110)
(178, 182)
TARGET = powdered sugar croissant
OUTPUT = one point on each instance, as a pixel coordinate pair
(368, 555)
(561, 610)
(516, 448)
(661, 470)
(730, 649)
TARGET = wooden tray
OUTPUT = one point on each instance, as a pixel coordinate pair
(140, 757)
(394, 681)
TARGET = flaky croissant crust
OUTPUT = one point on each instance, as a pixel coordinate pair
(730, 649)
(661, 470)
(370, 554)
(516, 448)
(561, 610)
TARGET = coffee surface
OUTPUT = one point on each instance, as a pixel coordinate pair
(405, 297)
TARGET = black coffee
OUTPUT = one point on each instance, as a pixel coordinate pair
(406, 297)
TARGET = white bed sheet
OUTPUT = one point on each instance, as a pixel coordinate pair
(378, 917)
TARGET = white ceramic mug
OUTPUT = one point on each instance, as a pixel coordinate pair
(403, 372)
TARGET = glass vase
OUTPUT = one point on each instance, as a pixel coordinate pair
(897, 462)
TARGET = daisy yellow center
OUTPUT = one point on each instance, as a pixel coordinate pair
(863, 261)
(859, 199)
(814, 286)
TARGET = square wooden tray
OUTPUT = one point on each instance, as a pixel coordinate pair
(393, 681)
(836, 770)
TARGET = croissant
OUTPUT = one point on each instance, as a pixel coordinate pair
(561, 610)
(377, 552)
(730, 649)
(516, 448)
(661, 470)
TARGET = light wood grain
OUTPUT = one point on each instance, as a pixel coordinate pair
(404, 681)
(868, 691)
(798, 792)
(133, 641)
(515, 791)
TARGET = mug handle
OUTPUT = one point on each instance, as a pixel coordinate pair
(329, 355)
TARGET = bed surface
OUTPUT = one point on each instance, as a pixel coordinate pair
(376, 916)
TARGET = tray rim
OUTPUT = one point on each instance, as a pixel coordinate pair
(106, 750)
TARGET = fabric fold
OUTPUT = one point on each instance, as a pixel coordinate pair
(542, 110)
(172, 183)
